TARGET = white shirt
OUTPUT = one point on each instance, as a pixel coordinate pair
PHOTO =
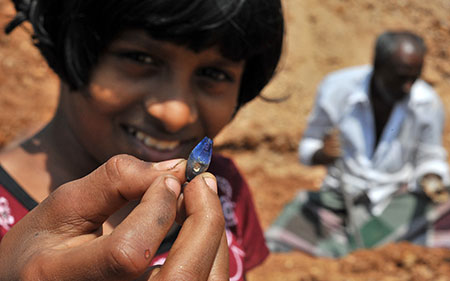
(410, 145)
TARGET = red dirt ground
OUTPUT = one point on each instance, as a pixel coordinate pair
(322, 36)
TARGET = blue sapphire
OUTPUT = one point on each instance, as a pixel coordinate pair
(199, 159)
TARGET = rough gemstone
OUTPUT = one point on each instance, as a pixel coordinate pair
(199, 159)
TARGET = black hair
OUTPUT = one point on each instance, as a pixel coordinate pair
(71, 34)
(389, 41)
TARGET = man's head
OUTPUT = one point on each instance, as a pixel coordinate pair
(399, 58)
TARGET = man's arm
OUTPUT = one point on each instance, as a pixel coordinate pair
(430, 160)
(321, 143)
(331, 150)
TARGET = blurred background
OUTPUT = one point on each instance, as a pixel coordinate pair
(321, 36)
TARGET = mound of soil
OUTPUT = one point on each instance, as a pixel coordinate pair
(322, 36)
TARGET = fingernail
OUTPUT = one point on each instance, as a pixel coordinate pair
(173, 184)
(210, 182)
(167, 165)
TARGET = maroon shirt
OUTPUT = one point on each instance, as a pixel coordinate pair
(246, 243)
(15, 203)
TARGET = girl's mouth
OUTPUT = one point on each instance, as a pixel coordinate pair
(151, 142)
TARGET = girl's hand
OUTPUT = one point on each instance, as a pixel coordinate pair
(61, 239)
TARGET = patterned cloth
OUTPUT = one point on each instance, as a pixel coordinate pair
(15, 203)
(318, 223)
(246, 243)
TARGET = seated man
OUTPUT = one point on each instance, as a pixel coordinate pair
(379, 132)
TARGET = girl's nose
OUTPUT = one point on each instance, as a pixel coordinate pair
(174, 114)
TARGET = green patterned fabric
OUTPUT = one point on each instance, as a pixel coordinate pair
(318, 223)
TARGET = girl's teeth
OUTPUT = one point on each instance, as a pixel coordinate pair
(140, 136)
(151, 142)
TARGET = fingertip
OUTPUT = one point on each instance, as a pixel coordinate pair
(168, 165)
(173, 184)
(210, 181)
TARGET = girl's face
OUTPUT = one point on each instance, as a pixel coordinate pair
(154, 99)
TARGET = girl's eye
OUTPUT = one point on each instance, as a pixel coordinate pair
(215, 74)
(139, 57)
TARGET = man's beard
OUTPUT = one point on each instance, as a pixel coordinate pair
(388, 97)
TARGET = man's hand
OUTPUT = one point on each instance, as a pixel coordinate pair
(434, 188)
(331, 150)
(332, 144)
(61, 239)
